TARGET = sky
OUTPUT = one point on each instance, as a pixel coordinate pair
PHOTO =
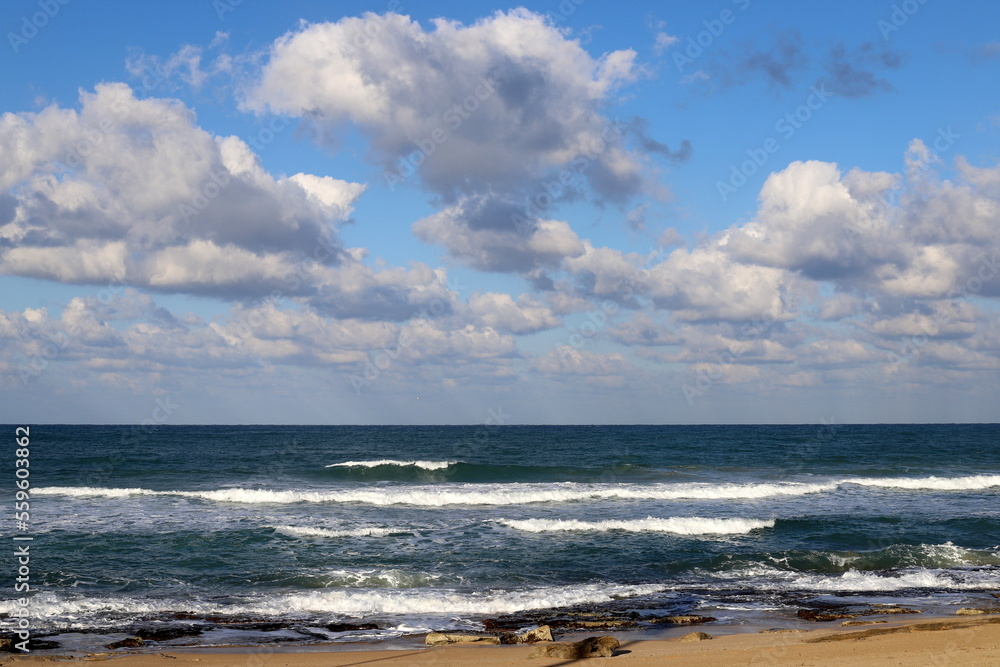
(239, 212)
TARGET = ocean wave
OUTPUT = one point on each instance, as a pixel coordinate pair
(519, 493)
(51, 609)
(305, 531)
(426, 465)
(970, 483)
(470, 494)
(765, 577)
(677, 525)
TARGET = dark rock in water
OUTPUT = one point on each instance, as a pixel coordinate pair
(685, 619)
(130, 642)
(890, 609)
(8, 644)
(166, 634)
(256, 627)
(591, 647)
(350, 627)
(604, 624)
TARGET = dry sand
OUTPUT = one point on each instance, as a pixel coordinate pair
(944, 642)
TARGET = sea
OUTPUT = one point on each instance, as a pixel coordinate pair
(300, 535)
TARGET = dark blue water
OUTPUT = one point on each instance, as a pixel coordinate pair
(303, 526)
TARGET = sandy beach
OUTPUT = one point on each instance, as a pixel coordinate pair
(939, 641)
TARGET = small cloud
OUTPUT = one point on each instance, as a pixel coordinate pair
(664, 41)
(986, 52)
(636, 218)
(700, 75)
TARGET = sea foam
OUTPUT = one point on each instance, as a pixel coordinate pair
(440, 495)
(970, 483)
(677, 525)
(426, 465)
(520, 493)
(52, 609)
(305, 531)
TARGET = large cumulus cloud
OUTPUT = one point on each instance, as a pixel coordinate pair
(132, 191)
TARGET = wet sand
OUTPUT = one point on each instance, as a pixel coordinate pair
(929, 642)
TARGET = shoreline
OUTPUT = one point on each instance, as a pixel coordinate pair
(956, 641)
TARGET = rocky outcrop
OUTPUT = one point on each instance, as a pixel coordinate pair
(541, 634)
(889, 609)
(129, 642)
(821, 615)
(976, 611)
(685, 619)
(603, 624)
(441, 639)
(591, 647)
(166, 634)
(350, 627)
(695, 637)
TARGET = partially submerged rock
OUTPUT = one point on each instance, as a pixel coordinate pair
(166, 634)
(441, 639)
(591, 647)
(129, 642)
(684, 619)
(603, 624)
(976, 611)
(890, 609)
(821, 616)
(350, 627)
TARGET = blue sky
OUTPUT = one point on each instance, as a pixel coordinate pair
(661, 213)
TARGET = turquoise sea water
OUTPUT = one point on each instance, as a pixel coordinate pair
(417, 528)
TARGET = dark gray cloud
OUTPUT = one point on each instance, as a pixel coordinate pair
(639, 128)
(856, 72)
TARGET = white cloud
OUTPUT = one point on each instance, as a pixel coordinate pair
(512, 87)
(481, 233)
(499, 311)
(664, 41)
